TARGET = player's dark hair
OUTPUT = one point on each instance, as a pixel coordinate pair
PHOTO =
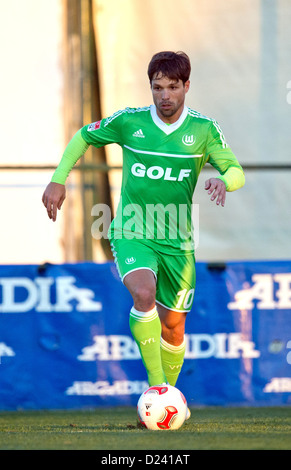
(173, 65)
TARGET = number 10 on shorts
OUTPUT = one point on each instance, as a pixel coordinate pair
(185, 299)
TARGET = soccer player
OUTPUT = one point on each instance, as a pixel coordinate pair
(165, 146)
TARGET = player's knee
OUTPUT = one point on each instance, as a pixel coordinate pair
(173, 329)
(173, 336)
(144, 298)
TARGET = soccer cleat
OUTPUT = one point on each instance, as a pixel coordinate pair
(188, 414)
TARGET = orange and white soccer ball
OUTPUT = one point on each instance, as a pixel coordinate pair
(162, 407)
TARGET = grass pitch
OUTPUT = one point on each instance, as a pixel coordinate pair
(116, 429)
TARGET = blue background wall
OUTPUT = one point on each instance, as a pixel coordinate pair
(65, 340)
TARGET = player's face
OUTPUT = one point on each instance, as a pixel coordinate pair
(169, 97)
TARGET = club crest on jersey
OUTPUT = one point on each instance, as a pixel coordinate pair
(94, 126)
(188, 139)
(130, 260)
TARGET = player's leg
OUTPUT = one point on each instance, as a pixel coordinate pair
(174, 298)
(172, 342)
(131, 258)
(144, 322)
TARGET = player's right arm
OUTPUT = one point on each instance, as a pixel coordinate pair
(98, 134)
(53, 198)
(55, 192)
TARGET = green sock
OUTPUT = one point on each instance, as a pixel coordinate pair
(172, 360)
(146, 331)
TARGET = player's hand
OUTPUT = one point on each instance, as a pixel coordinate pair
(53, 198)
(216, 187)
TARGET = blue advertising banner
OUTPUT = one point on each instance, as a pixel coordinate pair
(65, 341)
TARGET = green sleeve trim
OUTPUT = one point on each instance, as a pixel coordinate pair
(233, 178)
(74, 150)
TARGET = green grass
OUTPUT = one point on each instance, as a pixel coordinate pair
(116, 429)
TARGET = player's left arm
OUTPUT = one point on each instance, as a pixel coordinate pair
(220, 156)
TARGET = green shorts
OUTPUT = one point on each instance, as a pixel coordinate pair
(175, 273)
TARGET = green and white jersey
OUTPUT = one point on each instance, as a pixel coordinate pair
(161, 165)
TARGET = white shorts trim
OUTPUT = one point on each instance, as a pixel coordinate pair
(137, 269)
(174, 309)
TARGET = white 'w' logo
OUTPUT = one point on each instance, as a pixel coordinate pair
(188, 139)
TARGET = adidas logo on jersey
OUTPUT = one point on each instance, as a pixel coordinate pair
(138, 133)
